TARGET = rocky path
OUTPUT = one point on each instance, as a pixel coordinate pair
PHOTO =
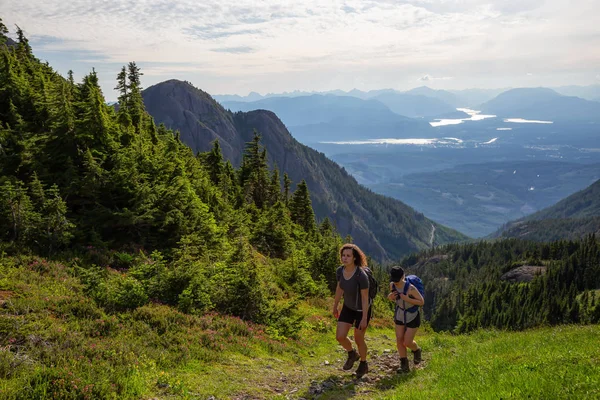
(383, 375)
(335, 383)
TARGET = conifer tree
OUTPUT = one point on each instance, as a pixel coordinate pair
(326, 229)
(230, 186)
(36, 191)
(254, 173)
(135, 103)
(286, 188)
(24, 46)
(17, 215)
(70, 78)
(122, 88)
(3, 32)
(301, 208)
(94, 128)
(55, 229)
(215, 164)
(275, 186)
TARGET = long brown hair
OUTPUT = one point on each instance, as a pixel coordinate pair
(360, 260)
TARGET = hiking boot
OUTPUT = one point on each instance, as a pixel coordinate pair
(403, 365)
(352, 358)
(417, 356)
(362, 369)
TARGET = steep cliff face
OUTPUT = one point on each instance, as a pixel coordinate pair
(192, 112)
(385, 228)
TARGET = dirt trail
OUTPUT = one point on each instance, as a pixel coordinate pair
(340, 384)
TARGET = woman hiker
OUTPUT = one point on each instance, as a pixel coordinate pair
(353, 284)
(407, 317)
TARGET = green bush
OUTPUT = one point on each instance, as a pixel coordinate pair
(122, 261)
(284, 319)
(121, 293)
(161, 318)
(196, 297)
(77, 307)
(153, 274)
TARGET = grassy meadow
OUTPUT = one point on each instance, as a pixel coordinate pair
(55, 342)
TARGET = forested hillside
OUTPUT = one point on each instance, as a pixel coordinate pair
(571, 218)
(101, 188)
(510, 284)
(585, 203)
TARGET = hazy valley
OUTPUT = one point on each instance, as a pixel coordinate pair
(472, 169)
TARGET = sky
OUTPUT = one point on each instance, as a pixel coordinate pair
(235, 47)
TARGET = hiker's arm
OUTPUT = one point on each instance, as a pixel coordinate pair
(336, 302)
(413, 297)
(364, 296)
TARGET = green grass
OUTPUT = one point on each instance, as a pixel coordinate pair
(56, 343)
(549, 363)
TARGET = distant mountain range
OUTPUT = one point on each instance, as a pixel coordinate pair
(415, 105)
(570, 218)
(442, 95)
(315, 109)
(380, 114)
(542, 104)
(591, 92)
(455, 98)
(317, 118)
(384, 227)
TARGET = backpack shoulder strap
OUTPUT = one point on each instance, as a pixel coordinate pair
(406, 287)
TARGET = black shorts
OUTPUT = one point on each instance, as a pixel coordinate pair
(415, 323)
(353, 317)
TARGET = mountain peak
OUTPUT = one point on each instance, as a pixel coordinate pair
(443, 95)
(422, 89)
(542, 104)
(537, 91)
(388, 228)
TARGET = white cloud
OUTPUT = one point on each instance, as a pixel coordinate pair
(310, 44)
(429, 78)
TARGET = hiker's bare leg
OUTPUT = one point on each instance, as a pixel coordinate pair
(359, 338)
(409, 339)
(341, 334)
(400, 341)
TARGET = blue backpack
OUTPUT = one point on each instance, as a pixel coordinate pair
(416, 282)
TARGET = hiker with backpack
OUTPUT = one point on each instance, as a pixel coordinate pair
(407, 292)
(353, 281)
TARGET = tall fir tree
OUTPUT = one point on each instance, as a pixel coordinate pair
(215, 164)
(301, 208)
(275, 194)
(135, 102)
(287, 182)
(254, 173)
(3, 32)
